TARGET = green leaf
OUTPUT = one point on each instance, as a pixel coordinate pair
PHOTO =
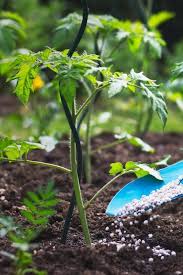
(29, 204)
(163, 162)
(6, 225)
(46, 212)
(157, 103)
(5, 142)
(134, 43)
(12, 28)
(27, 146)
(117, 85)
(159, 18)
(25, 78)
(135, 141)
(178, 69)
(68, 90)
(130, 165)
(28, 215)
(40, 205)
(6, 40)
(141, 169)
(149, 170)
(155, 43)
(116, 168)
(139, 76)
(12, 151)
(34, 197)
(16, 149)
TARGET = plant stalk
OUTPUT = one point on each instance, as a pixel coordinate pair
(148, 121)
(77, 190)
(102, 190)
(40, 163)
(88, 148)
(108, 145)
(89, 99)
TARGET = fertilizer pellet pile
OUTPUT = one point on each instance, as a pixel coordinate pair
(140, 213)
(156, 198)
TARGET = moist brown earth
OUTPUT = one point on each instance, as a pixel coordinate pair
(8, 104)
(75, 257)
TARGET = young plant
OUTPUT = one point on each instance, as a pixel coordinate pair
(107, 35)
(39, 207)
(118, 170)
(72, 70)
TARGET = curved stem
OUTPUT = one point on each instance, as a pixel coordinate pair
(88, 101)
(82, 28)
(108, 145)
(40, 163)
(148, 121)
(102, 190)
(115, 48)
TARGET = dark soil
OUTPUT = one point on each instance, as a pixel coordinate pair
(74, 257)
(8, 104)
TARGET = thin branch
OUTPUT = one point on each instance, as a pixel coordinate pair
(102, 190)
(108, 145)
(89, 99)
(115, 48)
(44, 164)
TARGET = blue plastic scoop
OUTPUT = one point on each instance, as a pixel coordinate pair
(143, 186)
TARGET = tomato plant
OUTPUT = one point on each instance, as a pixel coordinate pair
(72, 71)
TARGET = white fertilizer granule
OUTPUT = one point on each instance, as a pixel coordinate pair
(154, 199)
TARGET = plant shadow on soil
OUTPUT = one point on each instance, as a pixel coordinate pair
(75, 258)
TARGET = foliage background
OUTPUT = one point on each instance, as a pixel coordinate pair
(41, 17)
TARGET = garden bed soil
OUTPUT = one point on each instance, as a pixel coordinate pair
(74, 257)
(8, 104)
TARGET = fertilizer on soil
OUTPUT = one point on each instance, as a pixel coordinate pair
(120, 230)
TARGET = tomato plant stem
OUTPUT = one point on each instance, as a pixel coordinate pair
(102, 190)
(77, 190)
(148, 121)
(89, 99)
(108, 145)
(88, 148)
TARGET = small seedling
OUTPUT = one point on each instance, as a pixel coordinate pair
(39, 207)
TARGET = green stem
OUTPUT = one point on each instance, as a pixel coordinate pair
(148, 121)
(87, 163)
(115, 48)
(142, 11)
(44, 164)
(108, 145)
(102, 190)
(89, 100)
(140, 118)
(149, 7)
(88, 148)
(77, 190)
